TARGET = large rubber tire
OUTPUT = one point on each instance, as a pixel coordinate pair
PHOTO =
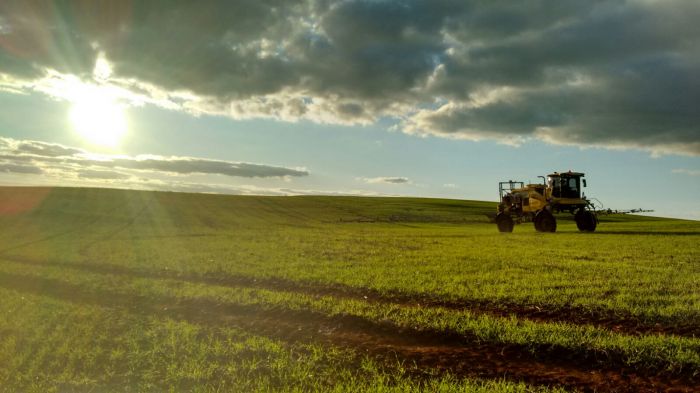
(504, 222)
(545, 222)
(585, 221)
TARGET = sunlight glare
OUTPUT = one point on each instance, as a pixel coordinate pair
(97, 117)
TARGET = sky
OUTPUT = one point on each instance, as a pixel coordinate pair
(412, 98)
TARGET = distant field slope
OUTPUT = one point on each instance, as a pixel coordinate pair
(206, 209)
(104, 290)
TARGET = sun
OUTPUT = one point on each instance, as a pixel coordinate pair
(97, 117)
(97, 113)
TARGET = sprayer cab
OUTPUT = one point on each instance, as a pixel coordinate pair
(566, 185)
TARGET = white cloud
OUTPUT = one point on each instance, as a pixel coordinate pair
(28, 162)
(387, 180)
(45, 155)
(684, 171)
(9, 167)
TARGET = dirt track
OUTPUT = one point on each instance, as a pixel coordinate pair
(607, 319)
(458, 355)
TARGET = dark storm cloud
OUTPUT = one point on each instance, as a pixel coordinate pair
(610, 73)
(650, 105)
(621, 75)
(59, 157)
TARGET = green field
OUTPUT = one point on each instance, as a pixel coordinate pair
(109, 290)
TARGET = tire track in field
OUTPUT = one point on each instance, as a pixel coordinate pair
(607, 319)
(81, 227)
(76, 228)
(302, 220)
(458, 355)
(114, 232)
(359, 217)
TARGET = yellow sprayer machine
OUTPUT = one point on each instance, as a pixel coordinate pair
(559, 192)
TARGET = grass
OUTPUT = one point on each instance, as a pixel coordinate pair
(644, 267)
(67, 257)
(78, 347)
(664, 353)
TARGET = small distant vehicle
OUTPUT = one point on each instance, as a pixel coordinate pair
(559, 192)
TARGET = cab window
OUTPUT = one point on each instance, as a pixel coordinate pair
(573, 186)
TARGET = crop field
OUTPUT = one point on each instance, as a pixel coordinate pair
(112, 290)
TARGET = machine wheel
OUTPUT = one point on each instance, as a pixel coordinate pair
(585, 221)
(504, 222)
(545, 222)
